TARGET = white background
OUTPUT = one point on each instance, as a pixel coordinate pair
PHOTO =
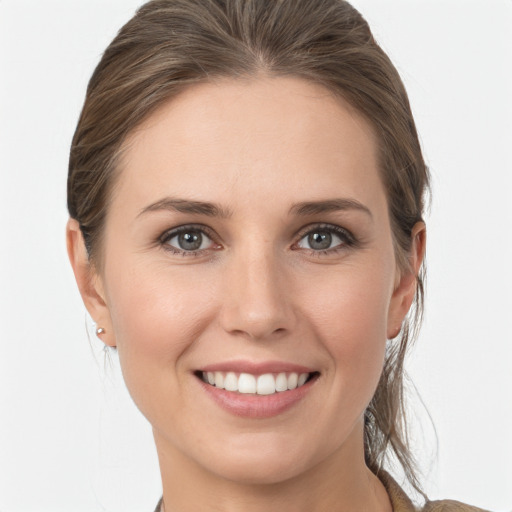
(70, 439)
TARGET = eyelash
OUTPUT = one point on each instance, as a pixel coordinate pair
(169, 235)
(347, 238)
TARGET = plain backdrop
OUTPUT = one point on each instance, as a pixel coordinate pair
(70, 437)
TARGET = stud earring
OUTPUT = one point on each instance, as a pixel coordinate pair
(100, 331)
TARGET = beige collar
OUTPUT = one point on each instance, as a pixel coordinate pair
(401, 502)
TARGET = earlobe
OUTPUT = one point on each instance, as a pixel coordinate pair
(405, 290)
(89, 282)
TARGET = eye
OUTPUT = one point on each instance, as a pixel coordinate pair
(325, 238)
(187, 240)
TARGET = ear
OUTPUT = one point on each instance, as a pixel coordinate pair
(89, 282)
(405, 287)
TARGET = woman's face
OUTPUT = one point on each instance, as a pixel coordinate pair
(248, 242)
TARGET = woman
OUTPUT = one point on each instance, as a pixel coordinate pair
(246, 193)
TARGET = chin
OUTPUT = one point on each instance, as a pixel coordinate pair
(264, 461)
(264, 471)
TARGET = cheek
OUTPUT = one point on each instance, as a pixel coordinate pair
(156, 316)
(349, 313)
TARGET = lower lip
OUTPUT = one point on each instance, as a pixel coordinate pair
(257, 406)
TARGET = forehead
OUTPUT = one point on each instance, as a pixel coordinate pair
(232, 140)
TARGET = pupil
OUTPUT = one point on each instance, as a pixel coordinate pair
(320, 240)
(190, 241)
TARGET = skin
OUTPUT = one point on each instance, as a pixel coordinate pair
(257, 291)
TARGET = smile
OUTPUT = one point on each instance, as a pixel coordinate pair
(256, 390)
(247, 383)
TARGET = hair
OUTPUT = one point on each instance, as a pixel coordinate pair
(170, 44)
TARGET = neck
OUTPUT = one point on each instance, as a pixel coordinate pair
(339, 483)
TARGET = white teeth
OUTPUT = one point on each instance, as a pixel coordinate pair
(266, 384)
(281, 382)
(292, 380)
(219, 380)
(246, 383)
(303, 377)
(231, 382)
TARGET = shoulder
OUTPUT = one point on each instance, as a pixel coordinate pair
(449, 506)
(402, 503)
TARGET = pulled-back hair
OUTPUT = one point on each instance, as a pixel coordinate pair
(171, 44)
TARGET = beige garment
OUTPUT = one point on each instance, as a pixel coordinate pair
(401, 502)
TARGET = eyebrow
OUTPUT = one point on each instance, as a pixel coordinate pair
(213, 210)
(329, 205)
(187, 206)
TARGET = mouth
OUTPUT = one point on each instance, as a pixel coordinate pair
(256, 384)
(257, 390)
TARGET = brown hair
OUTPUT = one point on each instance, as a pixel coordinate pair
(170, 44)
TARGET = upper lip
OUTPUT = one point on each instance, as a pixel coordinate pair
(256, 368)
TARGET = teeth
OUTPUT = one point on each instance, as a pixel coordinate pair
(219, 380)
(282, 382)
(292, 380)
(303, 377)
(246, 383)
(266, 384)
(231, 382)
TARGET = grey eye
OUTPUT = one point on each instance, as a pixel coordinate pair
(320, 240)
(190, 240)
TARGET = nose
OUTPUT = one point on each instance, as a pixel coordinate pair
(257, 300)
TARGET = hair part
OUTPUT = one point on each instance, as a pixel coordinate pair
(171, 44)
